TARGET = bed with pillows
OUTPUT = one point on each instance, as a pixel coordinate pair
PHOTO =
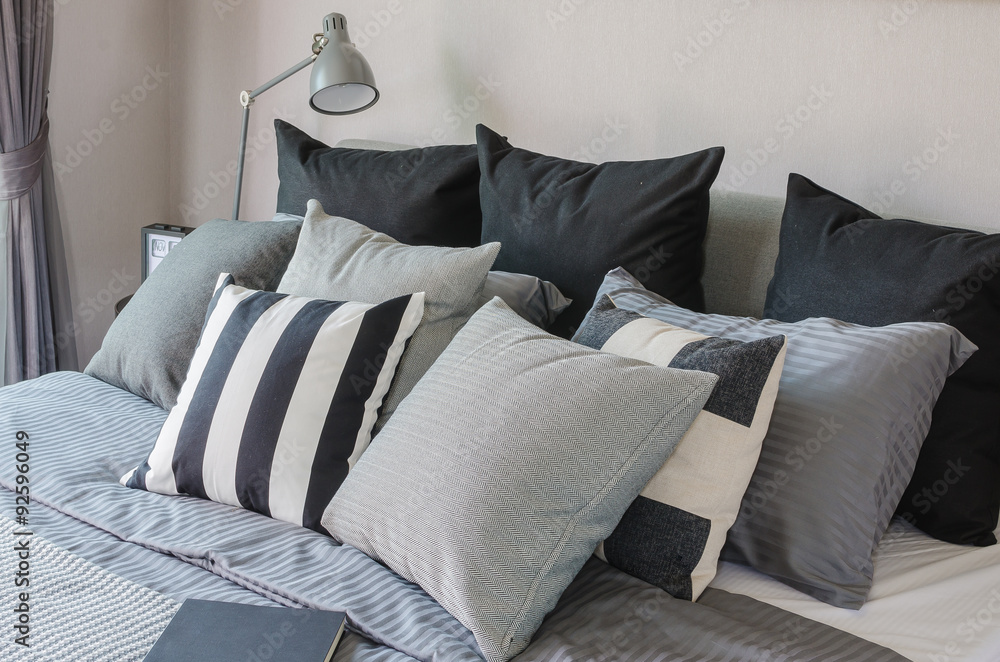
(500, 405)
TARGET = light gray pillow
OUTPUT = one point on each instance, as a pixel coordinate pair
(534, 299)
(149, 346)
(490, 498)
(340, 260)
(853, 407)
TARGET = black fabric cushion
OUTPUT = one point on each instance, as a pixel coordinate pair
(422, 197)
(837, 259)
(570, 222)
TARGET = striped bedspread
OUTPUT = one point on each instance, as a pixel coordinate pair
(84, 435)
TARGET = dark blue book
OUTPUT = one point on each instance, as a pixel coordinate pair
(204, 630)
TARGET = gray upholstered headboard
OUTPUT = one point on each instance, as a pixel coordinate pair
(740, 249)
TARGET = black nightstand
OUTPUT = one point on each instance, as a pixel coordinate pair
(121, 305)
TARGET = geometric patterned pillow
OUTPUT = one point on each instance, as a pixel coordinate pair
(279, 401)
(673, 533)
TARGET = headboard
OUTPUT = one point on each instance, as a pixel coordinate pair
(740, 249)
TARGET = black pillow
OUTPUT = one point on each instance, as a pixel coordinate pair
(570, 222)
(837, 259)
(427, 196)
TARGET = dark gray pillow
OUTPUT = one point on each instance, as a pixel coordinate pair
(570, 222)
(422, 196)
(340, 260)
(838, 259)
(149, 346)
(853, 407)
(534, 299)
(488, 497)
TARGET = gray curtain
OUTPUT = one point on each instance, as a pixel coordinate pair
(26, 43)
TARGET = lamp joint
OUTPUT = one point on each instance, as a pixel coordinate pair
(320, 41)
(245, 99)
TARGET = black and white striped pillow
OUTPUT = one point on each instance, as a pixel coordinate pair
(279, 401)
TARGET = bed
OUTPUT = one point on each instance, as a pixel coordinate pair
(109, 565)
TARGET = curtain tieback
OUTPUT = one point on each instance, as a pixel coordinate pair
(20, 169)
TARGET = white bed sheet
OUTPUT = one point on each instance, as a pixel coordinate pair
(931, 601)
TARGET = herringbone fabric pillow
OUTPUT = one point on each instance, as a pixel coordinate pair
(340, 260)
(491, 498)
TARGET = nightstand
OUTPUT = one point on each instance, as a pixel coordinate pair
(121, 305)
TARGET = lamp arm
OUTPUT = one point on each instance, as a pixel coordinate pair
(247, 99)
(280, 77)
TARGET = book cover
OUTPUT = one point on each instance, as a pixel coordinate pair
(231, 632)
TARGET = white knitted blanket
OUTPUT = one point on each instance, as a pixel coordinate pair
(75, 610)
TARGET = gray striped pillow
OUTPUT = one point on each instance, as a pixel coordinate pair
(853, 407)
(279, 401)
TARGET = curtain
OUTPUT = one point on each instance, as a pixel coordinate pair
(25, 46)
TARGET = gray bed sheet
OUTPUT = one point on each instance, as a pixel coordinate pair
(85, 434)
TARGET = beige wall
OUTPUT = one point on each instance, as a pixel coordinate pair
(108, 109)
(889, 102)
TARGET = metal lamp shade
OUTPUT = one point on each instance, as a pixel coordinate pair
(341, 82)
